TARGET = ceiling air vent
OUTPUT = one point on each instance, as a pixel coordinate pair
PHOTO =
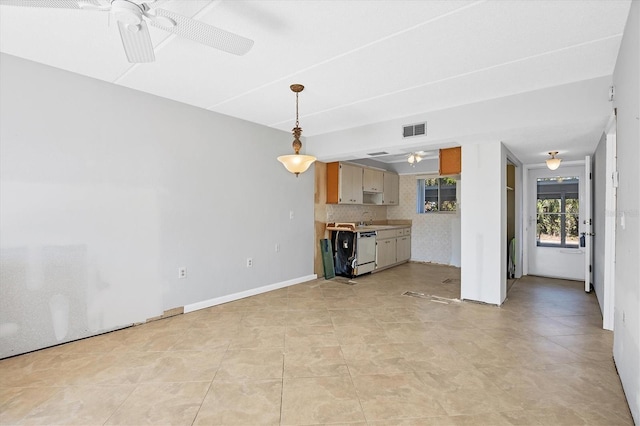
(419, 129)
(373, 154)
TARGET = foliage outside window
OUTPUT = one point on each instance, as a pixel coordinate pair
(558, 210)
(437, 195)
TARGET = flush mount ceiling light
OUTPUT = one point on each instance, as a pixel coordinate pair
(414, 158)
(297, 163)
(553, 163)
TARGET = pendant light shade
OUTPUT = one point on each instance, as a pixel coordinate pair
(297, 163)
(553, 163)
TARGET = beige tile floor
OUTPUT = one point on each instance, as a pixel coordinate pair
(325, 352)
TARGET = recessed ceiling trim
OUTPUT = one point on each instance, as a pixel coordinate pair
(452, 77)
(347, 53)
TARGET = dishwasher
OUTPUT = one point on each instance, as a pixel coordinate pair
(354, 252)
(365, 252)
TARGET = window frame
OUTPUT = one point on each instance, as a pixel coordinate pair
(563, 214)
(421, 198)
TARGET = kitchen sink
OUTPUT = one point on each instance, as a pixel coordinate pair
(374, 227)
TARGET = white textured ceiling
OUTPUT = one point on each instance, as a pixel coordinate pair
(362, 62)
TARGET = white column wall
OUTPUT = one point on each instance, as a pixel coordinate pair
(626, 340)
(483, 223)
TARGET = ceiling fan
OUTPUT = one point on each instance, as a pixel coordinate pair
(132, 17)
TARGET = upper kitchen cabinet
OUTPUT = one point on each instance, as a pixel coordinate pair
(372, 180)
(391, 189)
(344, 183)
(450, 161)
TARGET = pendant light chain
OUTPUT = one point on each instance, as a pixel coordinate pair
(297, 120)
(297, 131)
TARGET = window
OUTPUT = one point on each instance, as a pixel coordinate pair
(436, 195)
(557, 208)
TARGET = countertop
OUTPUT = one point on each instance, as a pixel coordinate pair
(380, 227)
(372, 227)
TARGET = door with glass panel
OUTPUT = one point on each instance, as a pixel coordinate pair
(556, 207)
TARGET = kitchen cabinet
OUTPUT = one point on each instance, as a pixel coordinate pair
(352, 184)
(344, 183)
(372, 180)
(450, 161)
(403, 248)
(393, 246)
(391, 189)
(385, 252)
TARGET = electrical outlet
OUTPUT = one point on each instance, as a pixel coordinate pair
(249, 262)
(182, 272)
(277, 247)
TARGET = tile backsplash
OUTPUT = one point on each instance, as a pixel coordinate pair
(348, 213)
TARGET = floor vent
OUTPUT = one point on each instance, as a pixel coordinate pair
(419, 129)
(414, 294)
(437, 299)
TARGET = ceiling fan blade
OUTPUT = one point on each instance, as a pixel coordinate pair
(137, 42)
(200, 32)
(54, 4)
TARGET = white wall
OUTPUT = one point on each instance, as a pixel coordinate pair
(483, 223)
(626, 79)
(107, 191)
(599, 180)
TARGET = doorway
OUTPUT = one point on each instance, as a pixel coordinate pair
(555, 209)
(511, 225)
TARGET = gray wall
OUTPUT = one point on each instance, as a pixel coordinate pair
(107, 191)
(626, 338)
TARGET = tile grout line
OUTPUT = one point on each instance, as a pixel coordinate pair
(122, 403)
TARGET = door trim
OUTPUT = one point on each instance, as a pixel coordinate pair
(587, 221)
(526, 206)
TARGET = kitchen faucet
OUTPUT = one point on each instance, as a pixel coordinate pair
(364, 222)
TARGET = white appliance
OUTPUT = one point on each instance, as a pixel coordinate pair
(358, 252)
(365, 252)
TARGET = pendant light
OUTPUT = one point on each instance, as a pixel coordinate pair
(553, 163)
(297, 163)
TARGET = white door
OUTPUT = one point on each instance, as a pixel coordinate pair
(556, 209)
(587, 222)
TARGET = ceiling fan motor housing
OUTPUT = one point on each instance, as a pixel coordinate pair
(129, 13)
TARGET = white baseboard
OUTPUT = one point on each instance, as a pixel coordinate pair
(241, 295)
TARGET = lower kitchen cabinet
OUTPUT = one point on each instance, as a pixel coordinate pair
(403, 248)
(393, 246)
(385, 252)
